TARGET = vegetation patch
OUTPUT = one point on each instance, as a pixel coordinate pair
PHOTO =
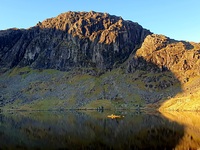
(95, 104)
(20, 71)
(43, 104)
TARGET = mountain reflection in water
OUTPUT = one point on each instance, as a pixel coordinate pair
(88, 130)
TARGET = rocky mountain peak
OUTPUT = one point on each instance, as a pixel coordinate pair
(71, 40)
(90, 25)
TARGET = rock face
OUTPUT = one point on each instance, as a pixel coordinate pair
(72, 40)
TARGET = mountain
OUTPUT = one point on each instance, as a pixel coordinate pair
(90, 59)
(72, 40)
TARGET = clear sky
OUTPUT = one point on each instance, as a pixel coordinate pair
(178, 19)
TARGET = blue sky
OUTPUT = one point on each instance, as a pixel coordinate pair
(178, 19)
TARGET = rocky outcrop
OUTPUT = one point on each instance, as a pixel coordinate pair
(72, 40)
(180, 57)
(167, 54)
(8, 52)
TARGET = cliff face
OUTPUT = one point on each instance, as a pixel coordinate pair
(103, 57)
(71, 40)
(94, 40)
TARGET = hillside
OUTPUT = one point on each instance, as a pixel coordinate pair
(90, 59)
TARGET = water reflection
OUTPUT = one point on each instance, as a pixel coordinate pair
(88, 130)
(191, 122)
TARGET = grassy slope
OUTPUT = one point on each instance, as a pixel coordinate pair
(60, 90)
(186, 100)
(52, 89)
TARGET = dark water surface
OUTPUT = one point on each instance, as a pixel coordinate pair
(88, 130)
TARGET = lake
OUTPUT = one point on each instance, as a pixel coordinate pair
(94, 130)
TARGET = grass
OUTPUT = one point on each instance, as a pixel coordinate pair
(182, 103)
(79, 78)
(50, 71)
(107, 104)
(25, 71)
(131, 88)
(17, 71)
(71, 102)
(15, 105)
(43, 104)
(187, 100)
